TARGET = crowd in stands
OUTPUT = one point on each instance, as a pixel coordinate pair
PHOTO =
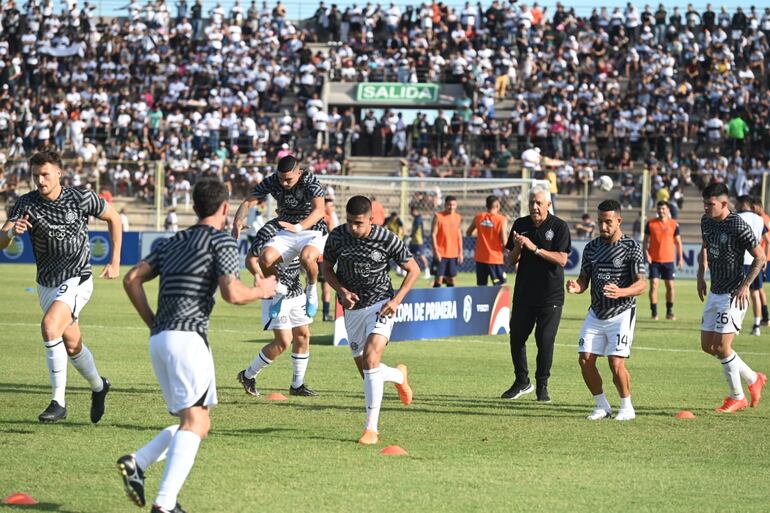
(227, 91)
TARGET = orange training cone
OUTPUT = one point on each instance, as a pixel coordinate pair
(20, 499)
(275, 396)
(684, 414)
(393, 450)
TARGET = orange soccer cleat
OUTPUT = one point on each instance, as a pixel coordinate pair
(755, 389)
(369, 437)
(732, 405)
(404, 390)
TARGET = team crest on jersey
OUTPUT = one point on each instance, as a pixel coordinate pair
(377, 256)
(582, 342)
(618, 262)
(284, 319)
(722, 238)
(354, 346)
(549, 235)
(70, 216)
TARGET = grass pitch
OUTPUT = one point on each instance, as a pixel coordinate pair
(468, 450)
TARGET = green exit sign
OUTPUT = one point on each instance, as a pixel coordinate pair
(394, 92)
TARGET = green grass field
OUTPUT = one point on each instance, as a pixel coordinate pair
(468, 450)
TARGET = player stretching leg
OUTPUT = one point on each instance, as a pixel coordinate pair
(726, 236)
(191, 265)
(57, 220)
(300, 198)
(362, 252)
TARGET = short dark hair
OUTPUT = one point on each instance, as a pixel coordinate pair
(609, 206)
(661, 203)
(756, 201)
(208, 195)
(358, 206)
(491, 199)
(44, 157)
(287, 163)
(450, 198)
(715, 190)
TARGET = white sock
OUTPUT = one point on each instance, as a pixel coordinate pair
(731, 368)
(259, 363)
(373, 386)
(625, 403)
(748, 375)
(391, 374)
(56, 358)
(757, 321)
(156, 449)
(181, 457)
(84, 363)
(602, 402)
(299, 365)
(312, 293)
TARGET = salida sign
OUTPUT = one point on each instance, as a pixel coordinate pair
(394, 92)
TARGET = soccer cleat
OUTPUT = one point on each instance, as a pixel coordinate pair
(599, 414)
(670, 317)
(133, 479)
(542, 394)
(369, 437)
(625, 414)
(404, 389)
(275, 306)
(517, 390)
(329, 318)
(755, 331)
(654, 317)
(54, 413)
(732, 405)
(755, 389)
(97, 401)
(302, 390)
(249, 384)
(311, 304)
(158, 509)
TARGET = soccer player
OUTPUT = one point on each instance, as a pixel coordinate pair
(290, 328)
(492, 229)
(614, 266)
(191, 265)
(725, 239)
(56, 218)
(300, 198)
(331, 219)
(756, 205)
(662, 243)
(743, 205)
(447, 237)
(417, 241)
(361, 251)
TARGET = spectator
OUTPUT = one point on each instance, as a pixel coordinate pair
(585, 228)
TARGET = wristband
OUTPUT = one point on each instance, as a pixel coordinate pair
(298, 227)
(537, 251)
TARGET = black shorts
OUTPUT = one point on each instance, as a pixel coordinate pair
(663, 270)
(447, 267)
(417, 250)
(486, 271)
(758, 281)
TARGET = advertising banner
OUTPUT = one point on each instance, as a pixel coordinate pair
(20, 250)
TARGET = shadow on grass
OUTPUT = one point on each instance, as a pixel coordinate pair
(19, 388)
(315, 340)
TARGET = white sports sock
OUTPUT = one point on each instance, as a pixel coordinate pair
(731, 368)
(259, 363)
(312, 293)
(56, 358)
(156, 449)
(748, 375)
(625, 403)
(181, 457)
(391, 374)
(602, 402)
(757, 321)
(84, 363)
(299, 365)
(373, 386)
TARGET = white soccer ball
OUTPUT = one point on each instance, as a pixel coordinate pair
(605, 183)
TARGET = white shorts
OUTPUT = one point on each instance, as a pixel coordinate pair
(608, 337)
(72, 292)
(292, 314)
(290, 244)
(361, 323)
(185, 369)
(721, 314)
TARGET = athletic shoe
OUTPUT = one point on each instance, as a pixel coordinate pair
(625, 414)
(303, 391)
(329, 318)
(369, 437)
(755, 389)
(97, 401)
(542, 394)
(158, 509)
(517, 390)
(670, 317)
(54, 413)
(133, 478)
(404, 390)
(755, 331)
(275, 307)
(599, 414)
(249, 384)
(732, 405)
(311, 305)
(654, 317)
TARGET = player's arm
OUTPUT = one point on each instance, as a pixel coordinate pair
(471, 229)
(236, 293)
(115, 227)
(347, 297)
(679, 251)
(460, 250)
(646, 244)
(133, 284)
(412, 274)
(635, 289)
(756, 266)
(504, 232)
(239, 221)
(766, 238)
(434, 238)
(702, 267)
(580, 285)
(13, 229)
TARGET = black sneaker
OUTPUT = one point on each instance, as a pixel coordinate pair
(133, 479)
(302, 390)
(97, 401)
(542, 394)
(158, 509)
(249, 384)
(54, 413)
(517, 390)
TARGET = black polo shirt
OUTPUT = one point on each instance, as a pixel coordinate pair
(539, 282)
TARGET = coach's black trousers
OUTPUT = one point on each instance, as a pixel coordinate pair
(545, 320)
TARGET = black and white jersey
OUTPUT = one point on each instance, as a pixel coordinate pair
(618, 263)
(726, 242)
(294, 204)
(362, 265)
(190, 264)
(288, 274)
(59, 232)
